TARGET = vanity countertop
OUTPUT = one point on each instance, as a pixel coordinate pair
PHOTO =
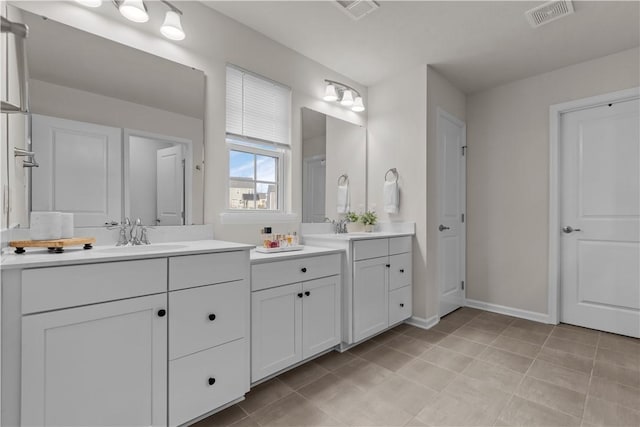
(259, 258)
(356, 236)
(71, 256)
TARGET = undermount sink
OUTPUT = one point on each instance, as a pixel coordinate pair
(142, 248)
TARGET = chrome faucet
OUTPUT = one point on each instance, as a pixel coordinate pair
(128, 232)
(341, 226)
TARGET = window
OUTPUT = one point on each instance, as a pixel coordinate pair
(258, 125)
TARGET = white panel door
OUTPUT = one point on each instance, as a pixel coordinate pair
(600, 216)
(170, 186)
(320, 315)
(99, 365)
(276, 329)
(451, 201)
(370, 296)
(80, 170)
(315, 175)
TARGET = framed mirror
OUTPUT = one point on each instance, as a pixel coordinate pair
(334, 154)
(117, 132)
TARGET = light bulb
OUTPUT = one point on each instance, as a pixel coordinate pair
(134, 10)
(347, 98)
(358, 105)
(90, 3)
(330, 93)
(172, 28)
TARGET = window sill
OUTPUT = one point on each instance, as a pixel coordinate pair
(257, 217)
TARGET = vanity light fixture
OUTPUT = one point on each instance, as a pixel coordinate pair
(172, 27)
(345, 94)
(90, 3)
(133, 10)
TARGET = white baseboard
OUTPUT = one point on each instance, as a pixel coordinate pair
(423, 323)
(509, 311)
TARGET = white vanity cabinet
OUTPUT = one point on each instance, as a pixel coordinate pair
(295, 311)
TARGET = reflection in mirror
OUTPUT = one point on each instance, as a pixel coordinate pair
(331, 148)
(117, 131)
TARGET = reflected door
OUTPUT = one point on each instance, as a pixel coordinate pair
(315, 173)
(170, 186)
(600, 214)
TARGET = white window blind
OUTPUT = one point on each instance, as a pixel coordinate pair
(257, 107)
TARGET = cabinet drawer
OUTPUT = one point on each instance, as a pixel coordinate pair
(59, 287)
(197, 270)
(373, 248)
(400, 271)
(207, 316)
(399, 305)
(398, 245)
(190, 391)
(268, 275)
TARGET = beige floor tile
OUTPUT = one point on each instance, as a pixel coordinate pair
(524, 335)
(477, 335)
(496, 317)
(327, 387)
(461, 345)
(403, 327)
(414, 422)
(461, 316)
(405, 394)
(411, 346)
(493, 375)
(364, 347)
(488, 325)
(246, 422)
(302, 375)
(293, 410)
(565, 359)
(223, 418)
(477, 393)
(516, 346)
(449, 410)
(624, 359)
(386, 336)
(617, 373)
(560, 376)
(446, 358)
(599, 412)
(363, 374)
(619, 343)
(522, 412)
(264, 394)
(427, 374)
(535, 327)
(579, 335)
(447, 325)
(577, 349)
(579, 329)
(334, 360)
(381, 411)
(507, 359)
(426, 335)
(615, 392)
(388, 358)
(552, 396)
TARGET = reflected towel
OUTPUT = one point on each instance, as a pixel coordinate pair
(391, 197)
(343, 199)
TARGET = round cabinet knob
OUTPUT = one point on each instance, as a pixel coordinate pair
(212, 317)
(212, 381)
(307, 293)
(162, 312)
(388, 266)
(402, 270)
(303, 269)
(300, 295)
(401, 304)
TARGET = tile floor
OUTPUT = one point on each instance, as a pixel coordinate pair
(474, 368)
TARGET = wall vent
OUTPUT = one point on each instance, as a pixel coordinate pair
(548, 12)
(357, 9)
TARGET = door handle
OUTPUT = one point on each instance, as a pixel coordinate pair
(569, 229)
(443, 227)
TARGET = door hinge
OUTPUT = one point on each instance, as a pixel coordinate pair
(462, 284)
(182, 214)
(464, 150)
(183, 163)
(462, 218)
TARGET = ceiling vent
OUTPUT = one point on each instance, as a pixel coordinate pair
(357, 9)
(548, 12)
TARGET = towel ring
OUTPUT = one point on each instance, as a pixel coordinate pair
(394, 171)
(343, 179)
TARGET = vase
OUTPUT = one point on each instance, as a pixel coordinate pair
(355, 227)
(368, 228)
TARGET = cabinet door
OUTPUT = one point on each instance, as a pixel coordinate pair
(320, 315)
(98, 365)
(276, 329)
(370, 297)
(400, 271)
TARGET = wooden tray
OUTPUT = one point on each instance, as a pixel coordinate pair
(56, 246)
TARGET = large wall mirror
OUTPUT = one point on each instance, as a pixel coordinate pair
(334, 154)
(117, 132)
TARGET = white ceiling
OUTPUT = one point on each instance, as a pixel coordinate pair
(476, 44)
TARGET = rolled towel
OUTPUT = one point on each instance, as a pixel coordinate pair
(391, 197)
(343, 199)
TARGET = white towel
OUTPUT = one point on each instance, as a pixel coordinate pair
(391, 197)
(343, 199)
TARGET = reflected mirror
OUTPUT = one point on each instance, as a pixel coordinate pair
(333, 155)
(117, 132)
